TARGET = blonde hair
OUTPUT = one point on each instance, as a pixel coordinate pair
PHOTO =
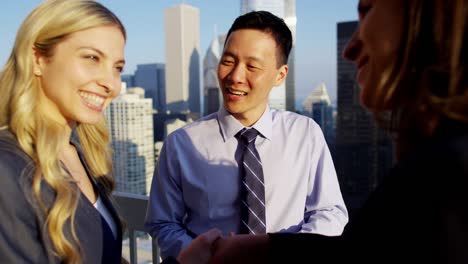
(47, 25)
(429, 78)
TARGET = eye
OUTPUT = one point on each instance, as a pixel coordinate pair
(363, 9)
(227, 62)
(92, 57)
(119, 69)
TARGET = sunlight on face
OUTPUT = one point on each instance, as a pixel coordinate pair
(83, 74)
(375, 45)
(247, 72)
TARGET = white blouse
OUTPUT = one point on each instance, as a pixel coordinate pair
(106, 215)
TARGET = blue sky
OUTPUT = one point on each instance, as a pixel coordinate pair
(144, 20)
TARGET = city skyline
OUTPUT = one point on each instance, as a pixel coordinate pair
(316, 33)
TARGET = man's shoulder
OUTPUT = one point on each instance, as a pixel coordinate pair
(196, 127)
(203, 123)
(289, 118)
(284, 114)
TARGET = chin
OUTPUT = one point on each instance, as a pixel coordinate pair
(366, 99)
(90, 120)
(365, 104)
(232, 109)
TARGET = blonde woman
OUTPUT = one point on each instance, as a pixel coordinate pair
(55, 163)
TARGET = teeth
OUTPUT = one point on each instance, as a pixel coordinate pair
(92, 98)
(236, 92)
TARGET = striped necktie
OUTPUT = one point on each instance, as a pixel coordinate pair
(253, 189)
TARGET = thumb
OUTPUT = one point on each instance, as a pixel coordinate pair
(212, 234)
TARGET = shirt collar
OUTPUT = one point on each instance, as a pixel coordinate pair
(229, 125)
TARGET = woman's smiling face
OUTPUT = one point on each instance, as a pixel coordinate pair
(83, 74)
(375, 44)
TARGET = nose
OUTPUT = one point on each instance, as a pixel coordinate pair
(353, 47)
(237, 74)
(109, 79)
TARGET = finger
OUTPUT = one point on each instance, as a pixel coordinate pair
(212, 234)
(232, 234)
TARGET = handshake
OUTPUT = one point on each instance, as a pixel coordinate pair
(211, 247)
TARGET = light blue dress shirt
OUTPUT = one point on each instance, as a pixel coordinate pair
(196, 185)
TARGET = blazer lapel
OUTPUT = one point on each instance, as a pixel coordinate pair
(74, 140)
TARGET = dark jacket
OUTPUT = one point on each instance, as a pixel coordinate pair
(23, 234)
(419, 214)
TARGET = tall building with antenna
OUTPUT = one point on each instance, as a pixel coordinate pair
(212, 94)
(283, 96)
(182, 35)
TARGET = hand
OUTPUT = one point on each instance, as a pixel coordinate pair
(240, 249)
(199, 250)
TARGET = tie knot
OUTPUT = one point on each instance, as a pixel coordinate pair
(248, 135)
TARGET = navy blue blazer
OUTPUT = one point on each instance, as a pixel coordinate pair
(23, 235)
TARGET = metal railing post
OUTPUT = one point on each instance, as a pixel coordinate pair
(133, 246)
(156, 252)
(132, 208)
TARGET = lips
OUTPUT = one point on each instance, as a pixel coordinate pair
(92, 99)
(236, 92)
(361, 69)
(361, 62)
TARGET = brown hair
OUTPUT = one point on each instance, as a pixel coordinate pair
(428, 81)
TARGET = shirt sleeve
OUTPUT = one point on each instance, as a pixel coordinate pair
(20, 236)
(325, 210)
(166, 207)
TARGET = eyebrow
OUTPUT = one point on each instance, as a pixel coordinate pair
(100, 53)
(360, 8)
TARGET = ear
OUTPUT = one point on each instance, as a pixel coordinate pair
(282, 73)
(38, 62)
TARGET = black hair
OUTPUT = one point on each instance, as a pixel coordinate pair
(268, 23)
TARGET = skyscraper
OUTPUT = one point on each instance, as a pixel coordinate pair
(151, 77)
(182, 35)
(212, 94)
(363, 151)
(128, 79)
(318, 94)
(318, 106)
(291, 20)
(130, 122)
(283, 96)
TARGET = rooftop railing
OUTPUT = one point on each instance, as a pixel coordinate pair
(132, 207)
